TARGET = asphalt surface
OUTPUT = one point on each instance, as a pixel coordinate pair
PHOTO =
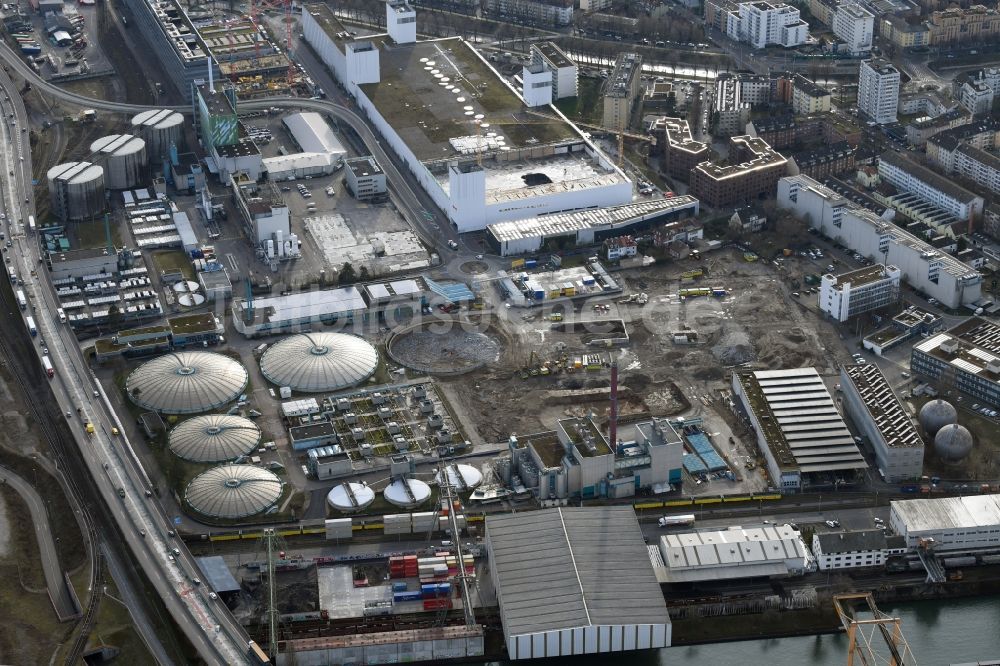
(54, 581)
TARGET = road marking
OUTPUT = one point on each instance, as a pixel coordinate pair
(232, 263)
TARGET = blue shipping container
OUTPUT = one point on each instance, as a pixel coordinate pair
(399, 587)
(407, 596)
(530, 263)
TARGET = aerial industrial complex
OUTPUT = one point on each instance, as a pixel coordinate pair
(376, 334)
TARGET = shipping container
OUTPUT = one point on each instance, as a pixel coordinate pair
(399, 587)
(530, 263)
(31, 326)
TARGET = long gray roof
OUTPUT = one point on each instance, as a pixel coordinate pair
(573, 567)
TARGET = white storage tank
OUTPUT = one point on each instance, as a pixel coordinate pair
(124, 159)
(76, 191)
(407, 493)
(159, 128)
(350, 497)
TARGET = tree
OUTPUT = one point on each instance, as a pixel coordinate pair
(363, 275)
(114, 318)
(347, 274)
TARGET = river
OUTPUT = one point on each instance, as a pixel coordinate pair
(939, 633)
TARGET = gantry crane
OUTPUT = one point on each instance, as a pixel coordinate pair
(861, 619)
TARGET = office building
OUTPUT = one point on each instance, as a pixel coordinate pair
(929, 186)
(681, 152)
(874, 408)
(855, 26)
(752, 172)
(964, 358)
(798, 429)
(620, 91)
(521, 166)
(924, 267)
(809, 98)
(878, 91)
(182, 53)
(854, 549)
(564, 71)
(763, 23)
(364, 178)
(845, 296)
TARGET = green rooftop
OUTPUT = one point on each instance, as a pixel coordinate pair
(202, 322)
(548, 447)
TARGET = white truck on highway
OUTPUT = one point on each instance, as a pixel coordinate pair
(22, 302)
(684, 520)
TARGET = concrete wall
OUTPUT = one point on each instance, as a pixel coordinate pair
(588, 640)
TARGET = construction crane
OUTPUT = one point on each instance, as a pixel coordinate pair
(861, 619)
(271, 544)
(454, 504)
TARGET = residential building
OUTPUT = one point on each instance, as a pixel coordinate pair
(965, 358)
(731, 112)
(923, 103)
(752, 173)
(823, 161)
(852, 549)
(620, 91)
(748, 220)
(823, 10)
(943, 146)
(924, 267)
(878, 91)
(801, 434)
(855, 25)
(875, 409)
(921, 129)
(543, 13)
(902, 33)
(991, 221)
(595, 5)
(783, 131)
(681, 152)
(619, 248)
(968, 25)
(809, 98)
(717, 13)
(364, 178)
(977, 97)
(929, 186)
(845, 296)
(762, 23)
(978, 166)
(564, 71)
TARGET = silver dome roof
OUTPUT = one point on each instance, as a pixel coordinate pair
(233, 491)
(953, 442)
(936, 414)
(317, 362)
(214, 438)
(186, 382)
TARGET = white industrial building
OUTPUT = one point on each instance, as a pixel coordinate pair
(365, 178)
(967, 355)
(956, 524)
(929, 186)
(595, 225)
(733, 553)
(876, 411)
(853, 293)
(855, 25)
(286, 314)
(264, 215)
(485, 158)
(937, 274)
(575, 581)
(851, 549)
(764, 23)
(564, 71)
(799, 431)
(321, 153)
(878, 91)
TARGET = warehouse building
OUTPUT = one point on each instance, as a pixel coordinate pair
(956, 524)
(801, 434)
(734, 553)
(575, 581)
(850, 294)
(588, 227)
(873, 407)
(850, 549)
(289, 313)
(320, 151)
(966, 357)
(924, 267)
(486, 158)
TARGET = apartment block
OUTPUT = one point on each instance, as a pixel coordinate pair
(752, 172)
(878, 91)
(621, 89)
(855, 25)
(957, 25)
(550, 13)
(845, 296)
(681, 152)
(941, 192)
(763, 23)
(824, 160)
(808, 97)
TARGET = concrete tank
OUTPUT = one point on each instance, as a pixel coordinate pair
(123, 157)
(159, 128)
(76, 191)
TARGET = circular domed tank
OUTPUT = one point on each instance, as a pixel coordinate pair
(159, 128)
(186, 382)
(123, 157)
(936, 414)
(317, 362)
(214, 438)
(953, 442)
(407, 493)
(350, 497)
(233, 491)
(76, 191)
(461, 477)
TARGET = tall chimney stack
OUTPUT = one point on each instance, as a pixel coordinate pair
(613, 423)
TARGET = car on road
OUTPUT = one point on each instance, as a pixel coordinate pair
(479, 257)
(832, 523)
(213, 595)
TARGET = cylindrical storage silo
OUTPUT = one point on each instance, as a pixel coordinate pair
(76, 191)
(159, 128)
(124, 159)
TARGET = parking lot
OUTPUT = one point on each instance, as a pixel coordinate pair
(77, 53)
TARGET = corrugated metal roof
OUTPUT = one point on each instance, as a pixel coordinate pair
(732, 553)
(944, 513)
(573, 567)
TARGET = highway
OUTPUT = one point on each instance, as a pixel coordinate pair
(207, 623)
(54, 581)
